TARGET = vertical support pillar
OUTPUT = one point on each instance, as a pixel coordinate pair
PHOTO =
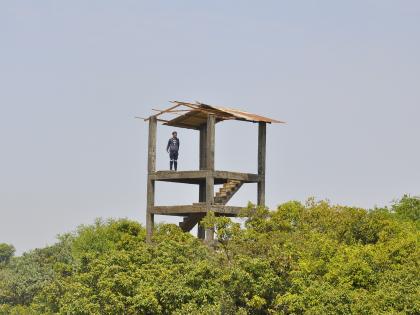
(151, 168)
(203, 166)
(210, 135)
(203, 150)
(209, 201)
(201, 232)
(262, 134)
(210, 148)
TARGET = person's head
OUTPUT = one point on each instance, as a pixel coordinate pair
(174, 134)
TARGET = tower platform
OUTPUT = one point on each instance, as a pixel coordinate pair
(199, 176)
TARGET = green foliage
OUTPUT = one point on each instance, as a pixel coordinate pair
(16, 310)
(312, 258)
(25, 276)
(6, 253)
(408, 208)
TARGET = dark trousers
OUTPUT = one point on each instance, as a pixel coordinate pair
(173, 157)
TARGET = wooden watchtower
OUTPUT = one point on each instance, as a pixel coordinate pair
(203, 118)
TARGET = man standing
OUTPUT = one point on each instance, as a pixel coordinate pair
(172, 148)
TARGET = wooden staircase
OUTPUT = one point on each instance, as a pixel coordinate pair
(227, 191)
(190, 221)
(222, 197)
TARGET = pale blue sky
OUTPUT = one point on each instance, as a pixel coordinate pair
(73, 74)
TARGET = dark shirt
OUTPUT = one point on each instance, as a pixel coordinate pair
(173, 145)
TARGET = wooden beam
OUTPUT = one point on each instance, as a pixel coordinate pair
(190, 105)
(172, 111)
(208, 111)
(164, 111)
(157, 119)
(262, 135)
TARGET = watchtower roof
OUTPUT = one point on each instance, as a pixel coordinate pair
(194, 115)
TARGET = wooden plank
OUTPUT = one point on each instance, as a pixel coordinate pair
(196, 118)
(262, 135)
(171, 111)
(192, 118)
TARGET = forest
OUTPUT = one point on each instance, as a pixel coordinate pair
(301, 258)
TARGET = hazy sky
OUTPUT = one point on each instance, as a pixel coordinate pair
(73, 74)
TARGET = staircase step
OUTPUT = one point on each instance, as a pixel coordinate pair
(228, 188)
(190, 221)
(226, 192)
(229, 185)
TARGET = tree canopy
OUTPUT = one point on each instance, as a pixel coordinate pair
(6, 252)
(311, 258)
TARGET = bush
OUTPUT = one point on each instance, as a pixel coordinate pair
(312, 258)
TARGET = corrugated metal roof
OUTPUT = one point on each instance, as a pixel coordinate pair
(197, 115)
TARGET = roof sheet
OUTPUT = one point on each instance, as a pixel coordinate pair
(198, 112)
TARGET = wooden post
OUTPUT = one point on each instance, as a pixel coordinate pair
(151, 168)
(203, 150)
(203, 166)
(210, 135)
(201, 232)
(262, 134)
(210, 146)
(209, 201)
